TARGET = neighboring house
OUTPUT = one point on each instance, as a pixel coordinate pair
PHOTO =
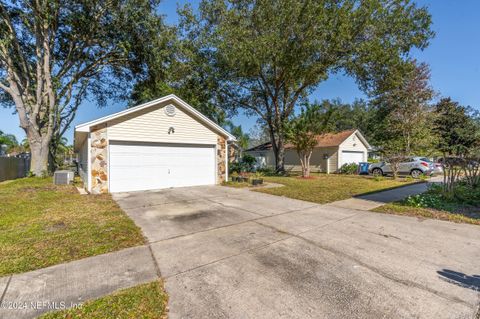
(332, 151)
(159, 144)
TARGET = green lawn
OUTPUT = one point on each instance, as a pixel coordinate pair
(324, 188)
(42, 224)
(146, 301)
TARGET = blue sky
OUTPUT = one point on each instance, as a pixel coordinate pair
(453, 55)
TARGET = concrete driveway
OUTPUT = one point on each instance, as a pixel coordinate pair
(232, 253)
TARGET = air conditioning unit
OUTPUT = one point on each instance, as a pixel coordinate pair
(63, 177)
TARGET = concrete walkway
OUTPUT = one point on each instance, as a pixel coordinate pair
(30, 294)
(374, 200)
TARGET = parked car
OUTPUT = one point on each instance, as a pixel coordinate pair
(414, 166)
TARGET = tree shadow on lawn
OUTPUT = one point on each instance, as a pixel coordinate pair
(460, 279)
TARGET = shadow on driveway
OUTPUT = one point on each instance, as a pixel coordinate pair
(394, 194)
(460, 279)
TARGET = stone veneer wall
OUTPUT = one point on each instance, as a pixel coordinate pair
(98, 158)
(221, 156)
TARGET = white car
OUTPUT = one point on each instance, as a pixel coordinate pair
(413, 166)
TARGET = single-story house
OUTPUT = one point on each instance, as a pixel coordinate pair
(332, 151)
(160, 144)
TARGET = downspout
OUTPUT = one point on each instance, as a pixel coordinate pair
(226, 160)
(89, 165)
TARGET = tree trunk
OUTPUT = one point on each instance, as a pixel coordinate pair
(278, 148)
(395, 170)
(280, 156)
(39, 156)
(305, 162)
(304, 166)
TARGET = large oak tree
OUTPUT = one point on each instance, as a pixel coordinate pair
(408, 113)
(56, 53)
(268, 55)
(457, 127)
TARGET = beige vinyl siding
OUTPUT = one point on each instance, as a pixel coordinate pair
(354, 143)
(152, 125)
(333, 162)
(292, 162)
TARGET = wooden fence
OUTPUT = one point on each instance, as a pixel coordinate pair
(13, 167)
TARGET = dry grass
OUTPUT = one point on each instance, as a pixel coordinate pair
(148, 301)
(329, 188)
(42, 224)
(460, 217)
(236, 184)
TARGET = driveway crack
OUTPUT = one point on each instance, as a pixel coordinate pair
(155, 263)
(5, 290)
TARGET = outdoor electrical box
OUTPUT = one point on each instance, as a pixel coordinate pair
(63, 177)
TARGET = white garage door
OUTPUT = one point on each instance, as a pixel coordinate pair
(145, 166)
(351, 157)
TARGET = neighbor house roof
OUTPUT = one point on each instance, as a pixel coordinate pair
(333, 139)
(324, 140)
(85, 127)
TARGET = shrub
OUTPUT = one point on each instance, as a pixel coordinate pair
(379, 178)
(437, 199)
(258, 175)
(425, 200)
(349, 168)
(463, 192)
(267, 171)
(234, 168)
(246, 164)
(249, 161)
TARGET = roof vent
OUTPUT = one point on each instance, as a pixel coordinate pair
(170, 110)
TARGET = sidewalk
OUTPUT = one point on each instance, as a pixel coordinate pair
(30, 294)
(374, 200)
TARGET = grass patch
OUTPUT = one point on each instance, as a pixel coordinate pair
(462, 207)
(42, 224)
(146, 301)
(399, 209)
(236, 184)
(324, 188)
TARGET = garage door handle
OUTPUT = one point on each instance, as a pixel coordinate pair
(168, 171)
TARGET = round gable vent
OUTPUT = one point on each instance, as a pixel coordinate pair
(170, 110)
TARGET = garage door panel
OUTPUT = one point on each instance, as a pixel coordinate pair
(351, 157)
(145, 166)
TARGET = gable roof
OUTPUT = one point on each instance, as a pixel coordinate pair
(324, 140)
(333, 139)
(85, 127)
